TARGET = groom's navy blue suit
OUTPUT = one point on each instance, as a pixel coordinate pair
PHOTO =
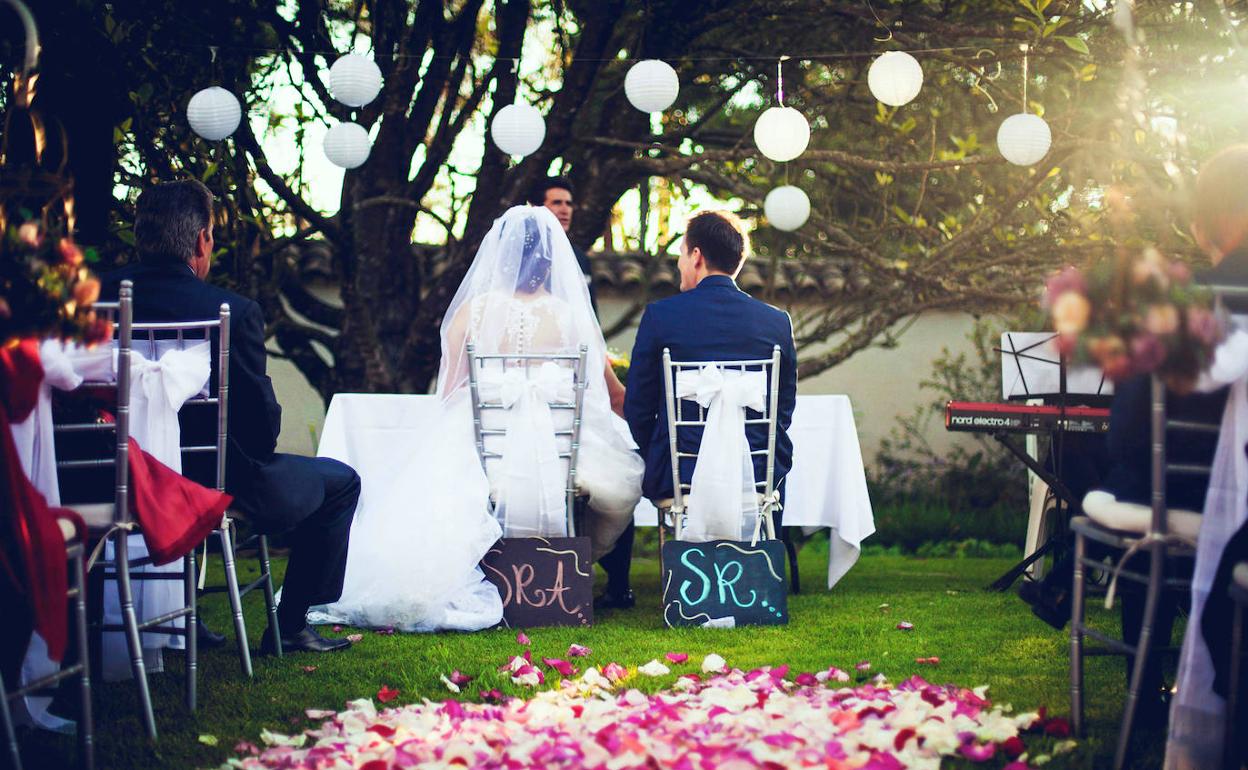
(715, 321)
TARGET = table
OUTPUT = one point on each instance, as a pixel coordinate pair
(826, 489)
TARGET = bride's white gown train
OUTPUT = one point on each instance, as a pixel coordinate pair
(415, 550)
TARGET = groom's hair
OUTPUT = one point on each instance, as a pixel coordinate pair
(537, 193)
(718, 234)
(168, 218)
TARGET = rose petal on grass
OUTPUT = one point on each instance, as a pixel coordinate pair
(862, 666)
(523, 639)
(578, 651)
(449, 684)
(208, 740)
(309, 669)
(387, 631)
(713, 663)
(614, 672)
(459, 678)
(978, 753)
(319, 713)
(806, 680)
(905, 625)
(1013, 747)
(337, 629)
(387, 694)
(654, 668)
(355, 638)
(562, 666)
(677, 657)
(246, 747)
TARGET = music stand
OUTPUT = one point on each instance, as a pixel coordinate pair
(1033, 367)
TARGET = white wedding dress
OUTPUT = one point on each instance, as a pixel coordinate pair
(414, 554)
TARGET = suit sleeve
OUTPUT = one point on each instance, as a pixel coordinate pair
(644, 394)
(788, 391)
(255, 416)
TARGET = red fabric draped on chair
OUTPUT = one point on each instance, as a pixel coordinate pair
(32, 560)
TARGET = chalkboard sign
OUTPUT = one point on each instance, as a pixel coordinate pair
(543, 582)
(724, 583)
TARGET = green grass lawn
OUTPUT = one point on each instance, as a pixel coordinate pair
(981, 637)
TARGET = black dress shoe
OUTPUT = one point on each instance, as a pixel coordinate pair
(615, 601)
(206, 637)
(305, 640)
(1052, 609)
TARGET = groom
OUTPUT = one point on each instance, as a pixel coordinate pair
(710, 320)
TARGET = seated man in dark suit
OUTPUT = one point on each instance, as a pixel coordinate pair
(711, 320)
(311, 499)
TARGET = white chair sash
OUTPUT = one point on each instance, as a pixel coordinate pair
(157, 391)
(532, 498)
(723, 501)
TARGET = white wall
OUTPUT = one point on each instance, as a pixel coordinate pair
(882, 383)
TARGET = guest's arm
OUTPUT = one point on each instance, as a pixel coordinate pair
(645, 384)
(255, 416)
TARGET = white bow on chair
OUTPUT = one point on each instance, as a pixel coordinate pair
(532, 495)
(158, 390)
(723, 500)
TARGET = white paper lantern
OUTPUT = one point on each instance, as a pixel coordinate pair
(1024, 139)
(895, 78)
(651, 85)
(787, 208)
(354, 80)
(214, 113)
(782, 133)
(347, 145)
(518, 129)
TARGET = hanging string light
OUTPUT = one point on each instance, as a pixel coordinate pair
(651, 85)
(1024, 138)
(781, 133)
(895, 78)
(214, 113)
(519, 128)
(787, 207)
(355, 80)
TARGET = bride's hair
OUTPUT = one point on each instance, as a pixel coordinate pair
(533, 273)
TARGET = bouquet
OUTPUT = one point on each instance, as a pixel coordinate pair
(46, 288)
(1136, 315)
(619, 364)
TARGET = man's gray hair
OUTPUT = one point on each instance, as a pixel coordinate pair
(168, 218)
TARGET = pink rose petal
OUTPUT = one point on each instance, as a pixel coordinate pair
(318, 713)
(309, 669)
(677, 657)
(978, 753)
(578, 651)
(806, 680)
(459, 678)
(523, 638)
(387, 694)
(355, 638)
(614, 672)
(905, 625)
(562, 666)
(862, 666)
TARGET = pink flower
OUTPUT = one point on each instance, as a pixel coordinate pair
(562, 666)
(387, 694)
(1068, 279)
(677, 657)
(523, 638)
(905, 625)
(30, 234)
(1147, 352)
(978, 753)
(614, 672)
(578, 651)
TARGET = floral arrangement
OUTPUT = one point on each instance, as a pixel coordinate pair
(1135, 315)
(46, 288)
(713, 716)
(619, 364)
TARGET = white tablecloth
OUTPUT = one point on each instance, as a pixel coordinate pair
(826, 489)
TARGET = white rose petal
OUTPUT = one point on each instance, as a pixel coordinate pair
(713, 663)
(654, 668)
(449, 684)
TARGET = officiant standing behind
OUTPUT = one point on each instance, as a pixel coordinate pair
(311, 498)
(556, 194)
(710, 320)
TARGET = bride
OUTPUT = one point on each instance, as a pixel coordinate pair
(415, 549)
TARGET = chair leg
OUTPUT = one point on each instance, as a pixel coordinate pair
(795, 581)
(1076, 640)
(10, 735)
(1230, 750)
(1143, 651)
(133, 642)
(192, 632)
(662, 539)
(86, 724)
(236, 601)
(270, 602)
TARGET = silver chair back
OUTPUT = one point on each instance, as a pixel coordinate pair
(687, 414)
(489, 436)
